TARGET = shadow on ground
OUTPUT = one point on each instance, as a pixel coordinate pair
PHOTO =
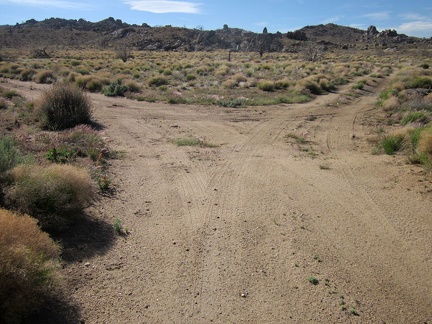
(86, 237)
(56, 309)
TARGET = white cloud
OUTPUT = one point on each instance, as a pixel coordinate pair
(378, 16)
(412, 16)
(330, 20)
(416, 28)
(261, 23)
(165, 6)
(48, 3)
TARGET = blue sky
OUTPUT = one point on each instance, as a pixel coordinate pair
(411, 17)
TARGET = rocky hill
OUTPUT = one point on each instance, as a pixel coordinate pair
(63, 33)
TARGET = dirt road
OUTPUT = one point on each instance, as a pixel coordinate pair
(231, 232)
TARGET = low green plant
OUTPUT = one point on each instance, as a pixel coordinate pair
(104, 182)
(29, 264)
(354, 311)
(340, 81)
(10, 155)
(64, 106)
(391, 144)
(359, 85)
(313, 280)
(60, 155)
(115, 89)
(187, 141)
(119, 229)
(192, 141)
(415, 116)
(232, 103)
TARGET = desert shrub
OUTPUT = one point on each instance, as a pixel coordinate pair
(27, 75)
(28, 265)
(222, 70)
(115, 89)
(190, 77)
(10, 155)
(282, 84)
(53, 194)
(3, 104)
(266, 85)
(420, 82)
(415, 116)
(313, 87)
(229, 84)
(45, 77)
(64, 106)
(340, 81)
(133, 86)
(82, 71)
(81, 81)
(424, 66)
(94, 85)
(326, 85)
(157, 81)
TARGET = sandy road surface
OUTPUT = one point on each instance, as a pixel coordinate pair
(230, 234)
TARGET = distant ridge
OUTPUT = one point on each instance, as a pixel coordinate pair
(110, 32)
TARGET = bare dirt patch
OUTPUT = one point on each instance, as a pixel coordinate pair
(232, 233)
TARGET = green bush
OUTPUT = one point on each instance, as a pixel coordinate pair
(115, 89)
(313, 87)
(157, 81)
(28, 265)
(10, 155)
(53, 194)
(64, 106)
(392, 143)
(190, 77)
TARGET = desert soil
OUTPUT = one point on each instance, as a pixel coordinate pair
(230, 233)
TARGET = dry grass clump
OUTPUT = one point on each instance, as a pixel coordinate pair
(424, 146)
(45, 77)
(28, 264)
(391, 103)
(52, 194)
(63, 106)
